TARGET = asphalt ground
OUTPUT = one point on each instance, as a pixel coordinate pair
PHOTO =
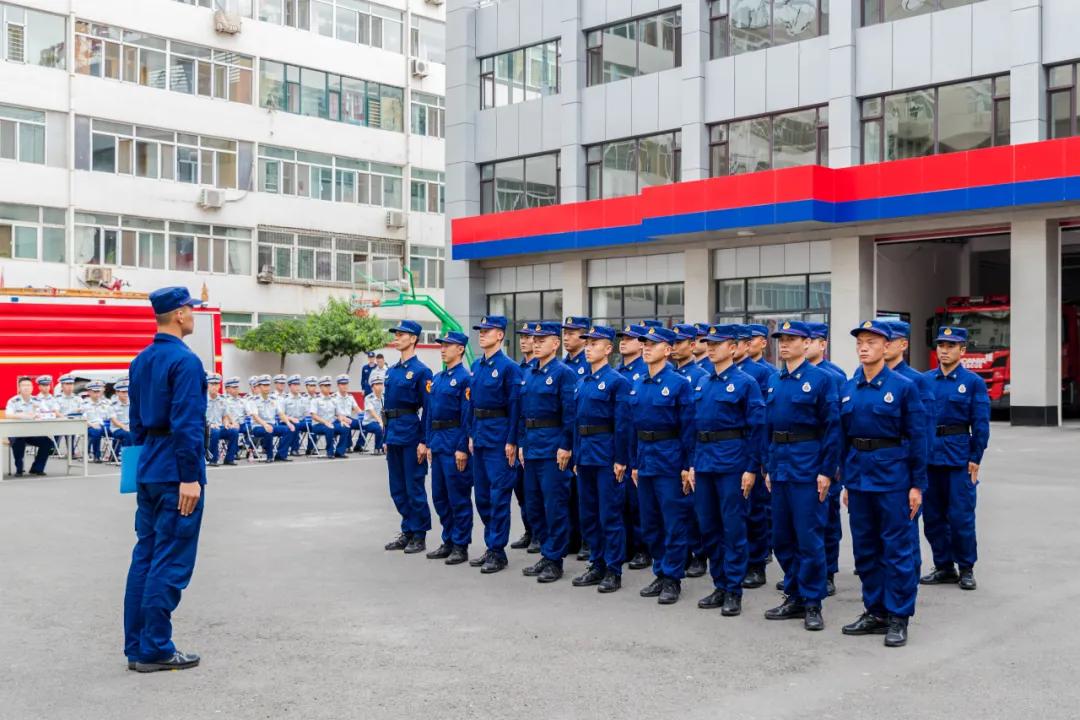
(299, 612)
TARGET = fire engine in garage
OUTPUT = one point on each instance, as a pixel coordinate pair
(986, 318)
(91, 334)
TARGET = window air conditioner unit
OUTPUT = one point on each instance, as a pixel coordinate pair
(97, 276)
(211, 198)
(226, 23)
(420, 68)
(395, 219)
(266, 275)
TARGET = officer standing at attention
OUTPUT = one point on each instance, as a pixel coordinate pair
(759, 516)
(962, 413)
(633, 368)
(802, 426)
(217, 418)
(573, 330)
(662, 450)
(374, 424)
(682, 354)
(496, 397)
(545, 449)
(446, 421)
(729, 419)
(325, 422)
(168, 412)
(365, 374)
(406, 454)
(269, 422)
(120, 421)
(23, 406)
(884, 473)
(349, 412)
(526, 541)
(601, 456)
(701, 348)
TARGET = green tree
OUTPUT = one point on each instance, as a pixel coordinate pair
(339, 332)
(283, 337)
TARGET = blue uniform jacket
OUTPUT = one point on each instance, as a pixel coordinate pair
(365, 377)
(168, 394)
(693, 372)
(602, 399)
(830, 365)
(960, 398)
(926, 396)
(496, 385)
(547, 393)
(729, 401)
(662, 403)
(758, 371)
(705, 364)
(579, 365)
(406, 388)
(635, 370)
(448, 399)
(886, 407)
(802, 401)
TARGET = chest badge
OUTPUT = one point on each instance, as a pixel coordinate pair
(889, 397)
(665, 392)
(581, 371)
(409, 375)
(806, 387)
(453, 382)
(495, 372)
(962, 389)
(549, 381)
(637, 375)
(730, 387)
(846, 398)
(601, 386)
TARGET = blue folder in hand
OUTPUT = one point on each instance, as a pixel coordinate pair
(129, 464)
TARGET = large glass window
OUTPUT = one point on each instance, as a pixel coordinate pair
(619, 306)
(32, 37)
(310, 256)
(301, 173)
(427, 191)
(355, 21)
(948, 118)
(29, 232)
(1062, 107)
(22, 134)
(738, 26)
(634, 47)
(524, 307)
(876, 11)
(800, 137)
(771, 300)
(624, 167)
(519, 183)
(519, 75)
(427, 39)
(427, 115)
(304, 91)
(426, 264)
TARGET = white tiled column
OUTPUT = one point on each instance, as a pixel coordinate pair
(575, 287)
(844, 129)
(1028, 77)
(853, 295)
(699, 290)
(1035, 322)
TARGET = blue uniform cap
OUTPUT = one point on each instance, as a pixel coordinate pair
(232, 382)
(797, 328)
(575, 322)
(342, 379)
(600, 332)
(122, 385)
(280, 378)
(757, 330)
(742, 332)
(454, 338)
(721, 333)
(44, 379)
(878, 327)
(899, 329)
(819, 331)
(371, 354)
(167, 299)
(262, 380)
(67, 379)
(545, 329)
(491, 322)
(95, 385)
(408, 326)
(294, 379)
(632, 331)
(325, 380)
(684, 331)
(213, 377)
(652, 323)
(311, 380)
(659, 335)
(702, 329)
(951, 334)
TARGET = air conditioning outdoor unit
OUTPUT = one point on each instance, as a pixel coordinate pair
(266, 275)
(97, 275)
(226, 23)
(434, 2)
(211, 198)
(420, 68)
(395, 219)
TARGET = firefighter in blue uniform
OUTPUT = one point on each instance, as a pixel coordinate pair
(406, 454)
(802, 427)
(601, 456)
(446, 435)
(682, 354)
(574, 328)
(168, 416)
(701, 347)
(884, 474)
(545, 449)
(526, 541)
(365, 374)
(661, 450)
(962, 413)
(633, 368)
(496, 395)
(759, 515)
(729, 421)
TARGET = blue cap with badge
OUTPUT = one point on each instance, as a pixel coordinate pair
(294, 379)
(408, 326)
(652, 323)
(899, 329)
(659, 335)
(818, 331)
(575, 322)
(343, 379)
(325, 380)
(702, 329)
(262, 380)
(877, 327)
(742, 332)
(454, 338)
(213, 378)
(684, 331)
(311, 380)
(952, 334)
(44, 379)
(757, 330)
(794, 328)
(721, 333)
(95, 385)
(371, 354)
(67, 379)
(635, 332)
(166, 299)
(491, 322)
(280, 378)
(600, 332)
(545, 329)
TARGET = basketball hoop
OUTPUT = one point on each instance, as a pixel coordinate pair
(365, 302)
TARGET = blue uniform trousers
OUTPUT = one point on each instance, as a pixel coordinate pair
(665, 522)
(697, 542)
(355, 424)
(721, 511)
(600, 505)
(375, 429)
(341, 440)
(635, 541)
(280, 431)
(916, 544)
(493, 485)
(798, 522)
(547, 497)
(18, 449)
(834, 529)
(305, 425)
(949, 516)
(93, 439)
(574, 538)
(121, 437)
(231, 437)
(407, 488)
(519, 492)
(451, 493)
(161, 567)
(759, 532)
(330, 433)
(881, 538)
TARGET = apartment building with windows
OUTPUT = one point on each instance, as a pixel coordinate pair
(295, 156)
(753, 160)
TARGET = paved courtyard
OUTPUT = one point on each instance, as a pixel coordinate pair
(298, 612)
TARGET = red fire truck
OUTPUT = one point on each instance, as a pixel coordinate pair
(93, 335)
(986, 318)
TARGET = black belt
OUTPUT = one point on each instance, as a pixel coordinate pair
(708, 436)
(587, 430)
(485, 414)
(944, 430)
(868, 444)
(784, 437)
(537, 423)
(399, 412)
(657, 435)
(158, 432)
(445, 424)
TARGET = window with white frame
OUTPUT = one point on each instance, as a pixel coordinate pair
(427, 39)
(285, 171)
(235, 324)
(30, 232)
(428, 115)
(428, 191)
(320, 258)
(22, 134)
(32, 37)
(427, 264)
(316, 93)
(634, 47)
(520, 75)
